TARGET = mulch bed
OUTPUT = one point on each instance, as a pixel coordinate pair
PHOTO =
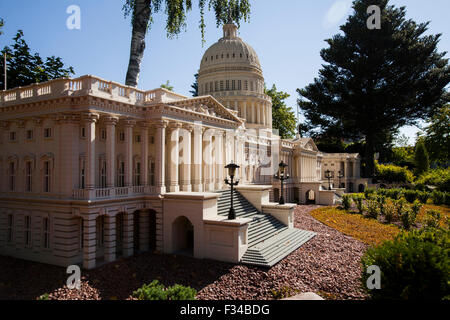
(328, 264)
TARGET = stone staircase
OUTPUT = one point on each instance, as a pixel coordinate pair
(269, 240)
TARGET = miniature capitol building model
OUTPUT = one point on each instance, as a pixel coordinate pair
(93, 170)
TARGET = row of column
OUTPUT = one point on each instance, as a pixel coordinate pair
(110, 237)
(253, 112)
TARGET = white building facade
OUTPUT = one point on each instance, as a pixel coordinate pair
(93, 170)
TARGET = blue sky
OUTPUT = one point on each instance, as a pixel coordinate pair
(287, 36)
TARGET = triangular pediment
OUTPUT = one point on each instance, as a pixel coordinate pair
(308, 144)
(208, 106)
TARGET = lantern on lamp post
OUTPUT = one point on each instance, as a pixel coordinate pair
(282, 176)
(232, 172)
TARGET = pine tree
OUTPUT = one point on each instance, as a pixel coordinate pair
(376, 81)
(421, 158)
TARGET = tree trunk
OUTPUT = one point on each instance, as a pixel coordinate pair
(369, 155)
(141, 19)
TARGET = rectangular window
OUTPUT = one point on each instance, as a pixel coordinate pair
(227, 85)
(47, 132)
(152, 140)
(211, 88)
(251, 86)
(216, 86)
(239, 84)
(27, 231)
(46, 233)
(101, 231)
(137, 174)
(137, 138)
(221, 85)
(12, 136)
(152, 174)
(30, 134)
(103, 174)
(12, 176)
(47, 176)
(83, 174)
(83, 132)
(121, 177)
(103, 134)
(122, 136)
(246, 85)
(233, 84)
(10, 234)
(29, 177)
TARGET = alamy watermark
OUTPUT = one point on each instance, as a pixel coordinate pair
(74, 280)
(73, 22)
(374, 281)
(374, 20)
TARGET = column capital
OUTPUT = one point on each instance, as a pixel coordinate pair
(110, 120)
(162, 124)
(129, 123)
(189, 127)
(174, 126)
(90, 117)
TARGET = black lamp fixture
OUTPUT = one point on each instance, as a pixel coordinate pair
(329, 175)
(282, 176)
(232, 172)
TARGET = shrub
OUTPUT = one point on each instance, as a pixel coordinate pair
(411, 195)
(424, 196)
(408, 218)
(359, 200)
(156, 291)
(370, 193)
(438, 197)
(346, 202)
(400, 205)
(433, 219)
(381, 200)
(389, 211)
(392, 173)
(440, 178)
(45, 296)
(415, 265)
(372, 209)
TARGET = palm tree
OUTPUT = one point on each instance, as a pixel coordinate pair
(142, 11)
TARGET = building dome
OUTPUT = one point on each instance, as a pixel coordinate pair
(230, 72)
(230, 51)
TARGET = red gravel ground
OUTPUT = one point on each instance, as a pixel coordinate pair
(328, 264)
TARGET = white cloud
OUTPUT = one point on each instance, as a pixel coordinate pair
(336, 13)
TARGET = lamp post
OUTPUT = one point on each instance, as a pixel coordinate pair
(340, 176)
(329, 175)
(281, 175)
(231, 172)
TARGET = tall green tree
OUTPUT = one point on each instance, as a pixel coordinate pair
(283, 118)
(421, 158)
(437, 136)
(376, 81)
(194, 86)
(25, 68)
(142, 12)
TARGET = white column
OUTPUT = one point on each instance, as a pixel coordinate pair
(160, 156)
(244, 111)
(110, 238)
(219, 160)
(144, 230)
(236, 105)
(174, 158)
(111, 123)
(90, 121)
(89, 241)
(207, 160)
(186, 183)
(197, 180)
(128, 230)
(144, 154)
(129, 124)
(253, 112)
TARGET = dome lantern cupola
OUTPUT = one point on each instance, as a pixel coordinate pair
(230, 30)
